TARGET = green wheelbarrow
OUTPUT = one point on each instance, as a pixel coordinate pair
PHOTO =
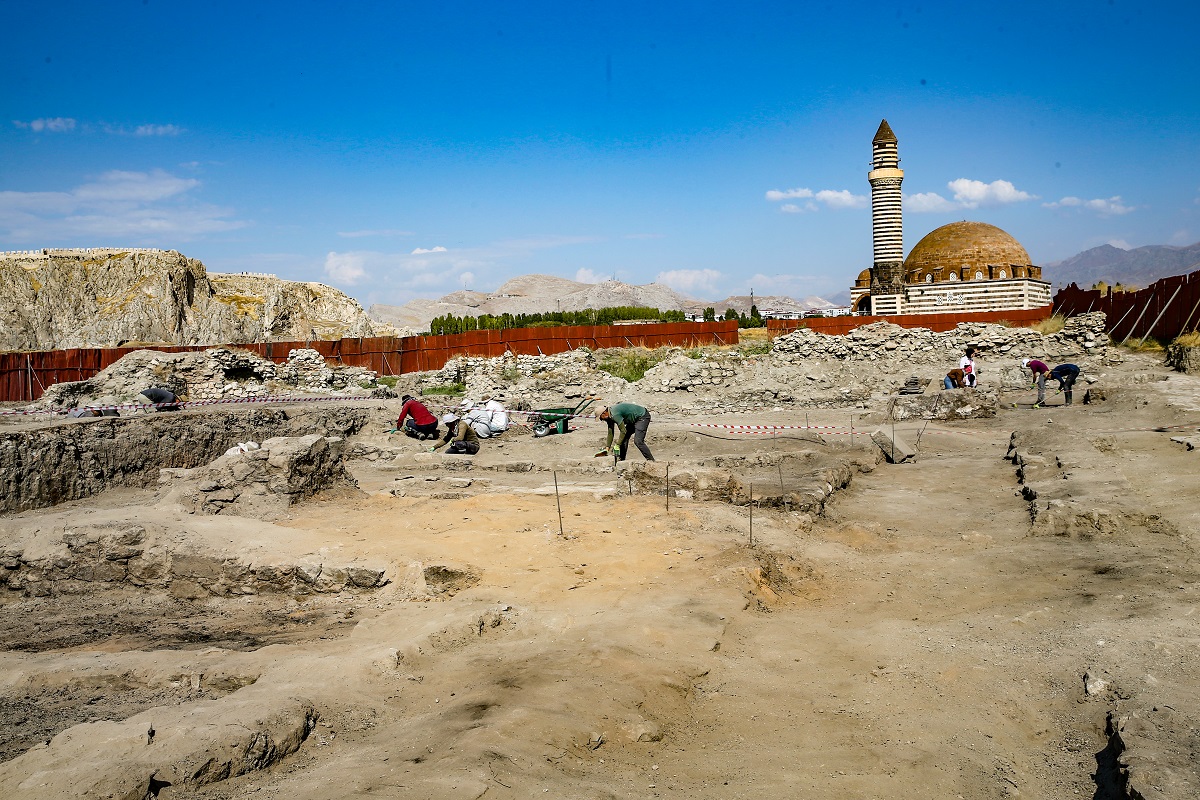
(546, 421)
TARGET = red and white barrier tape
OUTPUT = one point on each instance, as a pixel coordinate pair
(187, 404)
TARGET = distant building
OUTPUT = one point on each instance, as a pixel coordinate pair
(963, 266)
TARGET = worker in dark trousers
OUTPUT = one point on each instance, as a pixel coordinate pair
(633, 420)
(1066, 375)
(162, 399)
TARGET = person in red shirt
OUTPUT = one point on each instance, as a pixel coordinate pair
(420, 423)
(1040, 371)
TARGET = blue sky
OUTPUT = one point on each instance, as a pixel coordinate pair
(398, 150)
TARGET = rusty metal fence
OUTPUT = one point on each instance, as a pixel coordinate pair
(840, 326)
(1163, 310)
(26, 375)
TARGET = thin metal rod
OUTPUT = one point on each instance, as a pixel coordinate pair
(558, 503)
(667, 491)
(751, 515)
(1154, 324)
(1139, 319)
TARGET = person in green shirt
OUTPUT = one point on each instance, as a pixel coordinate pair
(633, 420)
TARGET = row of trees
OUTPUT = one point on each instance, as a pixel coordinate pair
(449, 323)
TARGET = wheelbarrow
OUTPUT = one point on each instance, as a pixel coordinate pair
(546, 421)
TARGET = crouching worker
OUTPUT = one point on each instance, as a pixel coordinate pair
(633, 420)
(955, 379)
(162, 399)
(1065, 374)
(420, 424)
(461, 437)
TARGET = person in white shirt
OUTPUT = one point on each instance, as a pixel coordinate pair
(499, 416)
(969, 367)
(478, 418)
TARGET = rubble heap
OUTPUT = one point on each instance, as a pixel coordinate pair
(1081, 336)
(262, 482)
(574, 371)
(215, 374)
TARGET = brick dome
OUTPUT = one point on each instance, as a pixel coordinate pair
(965, 251)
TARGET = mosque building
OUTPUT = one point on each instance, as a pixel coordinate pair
(963, 266)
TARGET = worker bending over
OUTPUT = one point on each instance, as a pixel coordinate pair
(633, 420)
(1065, 374)
(461, 437)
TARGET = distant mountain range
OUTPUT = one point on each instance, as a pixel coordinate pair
(533, 294)
(1139, 267)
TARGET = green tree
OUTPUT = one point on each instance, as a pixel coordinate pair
(730, 313)
(710, 314)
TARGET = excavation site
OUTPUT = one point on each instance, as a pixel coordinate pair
(836, 579)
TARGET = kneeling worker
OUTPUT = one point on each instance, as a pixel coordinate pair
(420, 423)
(633, 420)
(461, 437)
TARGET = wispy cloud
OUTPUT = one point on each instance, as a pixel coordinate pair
(690, 281)
(153, 206)
(830, 198)
(968, 193)
(1105, 208)
(157, 130)
(397, 277)
(642, 236)
(51, 124)
(585, 275)
(384, 232)
(345, 268)
(1120, 244)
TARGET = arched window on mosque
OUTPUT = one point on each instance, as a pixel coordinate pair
(953, 276)
(929, 277)
(978, 275)
(1003, 274)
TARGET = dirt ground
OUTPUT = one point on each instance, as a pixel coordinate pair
(916, 632)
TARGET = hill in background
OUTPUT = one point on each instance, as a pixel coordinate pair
(533, 294)
(1140, 266)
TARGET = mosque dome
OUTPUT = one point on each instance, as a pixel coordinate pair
(966, 251)
(864, 279)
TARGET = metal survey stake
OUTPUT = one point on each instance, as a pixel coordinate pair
(667, 489)
(751, 515)
(558, 503)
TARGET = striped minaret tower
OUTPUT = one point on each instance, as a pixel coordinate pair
(887, 224)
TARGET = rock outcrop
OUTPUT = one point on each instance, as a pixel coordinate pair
(220, 373)
(45, 466)
(263, 482)
(60, 299)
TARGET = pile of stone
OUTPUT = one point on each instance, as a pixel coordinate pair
(573, 373)
(679, 372)
(1081, 336)
(216, 374)
(263, 482)
(950, 404)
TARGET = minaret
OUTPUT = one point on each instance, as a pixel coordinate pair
(887, 225)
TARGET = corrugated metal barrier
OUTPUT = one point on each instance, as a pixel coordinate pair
(25, 375)
(840, 326)
(1163, 310)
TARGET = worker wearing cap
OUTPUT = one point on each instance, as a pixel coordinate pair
(633, 420)
(1040, 371)
(461, 437)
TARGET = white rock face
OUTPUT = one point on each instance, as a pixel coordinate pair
(103, 298)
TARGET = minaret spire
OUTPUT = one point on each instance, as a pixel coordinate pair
(887, 224)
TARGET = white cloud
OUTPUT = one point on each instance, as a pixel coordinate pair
(841, 198)
(52, 124)
(832, 198)
(585, 275)
(927, 201)
(157, 130)
(382, 232)
(134, 206)
(421, 250)
(690, 281)
(972, 194)
(1120, 244)
(775, 195)
(466, 279)
(1105, 208)
(348, 268)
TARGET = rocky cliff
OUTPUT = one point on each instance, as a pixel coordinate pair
(58, 299)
